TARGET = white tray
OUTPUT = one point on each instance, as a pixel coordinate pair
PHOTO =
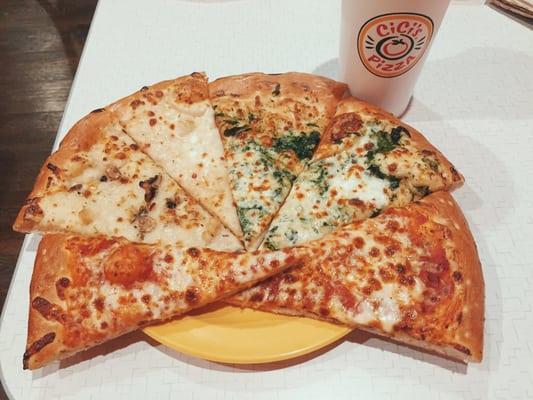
(473, 101)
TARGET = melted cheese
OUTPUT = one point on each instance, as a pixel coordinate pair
(258, 188)
(321, 199)
(81, 202)
(183, 139)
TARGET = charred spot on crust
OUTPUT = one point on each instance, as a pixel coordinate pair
(33, 211)
(103, 178)
(277, 90)
(98, 110)
(462, 349)
(37, 346)
(193, 252)
(455, 174)
(54, 168)
(191, 296)
(61, 285)
(144, 88)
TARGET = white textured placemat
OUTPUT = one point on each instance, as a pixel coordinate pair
(473, 101)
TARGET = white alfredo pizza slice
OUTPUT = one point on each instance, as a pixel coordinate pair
(100, 182)
(174, 123)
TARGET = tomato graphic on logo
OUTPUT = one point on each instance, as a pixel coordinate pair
(391, 44)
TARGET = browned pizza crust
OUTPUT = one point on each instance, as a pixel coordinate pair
(470, 333)
(299, 85)
(347, 115)
(81, 137)
(89, 289)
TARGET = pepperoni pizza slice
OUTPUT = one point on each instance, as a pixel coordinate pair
(270, 126)
(366, 161)
(87, 290)
(100, 182)
(412, 274)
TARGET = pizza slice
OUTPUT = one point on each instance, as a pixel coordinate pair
(86, 290)
(100, 182)
(366, 161)
(411, 274)
(174, 123)
(270, 126)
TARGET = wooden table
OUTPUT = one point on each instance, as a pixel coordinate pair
(40, 46)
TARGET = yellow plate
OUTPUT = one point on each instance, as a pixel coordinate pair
(231, 335)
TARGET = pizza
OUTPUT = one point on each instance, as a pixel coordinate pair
(146, 201)
(412, 274)
(270, 126)
(100, 182)
(174, 123)
(366, 161)
(87, 290)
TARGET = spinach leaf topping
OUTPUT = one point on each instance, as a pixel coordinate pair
(303, 145)
(397, 132)
(291, 235)
(432, 163)
(386, 142)
(373, 169)
(320, 179)
(246, 224)
(269, 243)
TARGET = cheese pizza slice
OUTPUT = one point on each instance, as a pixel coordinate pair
(412, 274)
(86, 290)
(270, 126)
(100, 182)
(174, 123)
(366, 161)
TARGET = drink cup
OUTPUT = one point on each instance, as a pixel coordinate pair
(383, 46)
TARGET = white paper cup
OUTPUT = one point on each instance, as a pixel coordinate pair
(383, 46)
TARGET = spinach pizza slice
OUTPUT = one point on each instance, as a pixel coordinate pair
(366, 162)
(270, 126)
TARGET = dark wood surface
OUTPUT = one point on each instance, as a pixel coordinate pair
(40, 46)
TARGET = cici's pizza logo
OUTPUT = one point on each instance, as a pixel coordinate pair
(390, 45)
